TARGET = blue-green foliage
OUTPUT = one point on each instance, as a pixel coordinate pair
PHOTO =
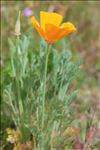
(23, 77)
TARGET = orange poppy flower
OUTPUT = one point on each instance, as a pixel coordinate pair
(50, 28)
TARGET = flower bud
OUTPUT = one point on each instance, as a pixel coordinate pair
(17, 26)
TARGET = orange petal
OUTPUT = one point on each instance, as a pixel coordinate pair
(54, 33)
(51, 32)
(66, 28)
(37, 26)
(49, 18)
(69, 26)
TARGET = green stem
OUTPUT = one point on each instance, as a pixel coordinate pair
(19, 96)
(13, 68)
(17, 82)
(44, 88)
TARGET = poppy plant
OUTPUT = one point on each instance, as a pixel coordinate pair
(50, 27)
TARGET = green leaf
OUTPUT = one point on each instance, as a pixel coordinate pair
(12, 47)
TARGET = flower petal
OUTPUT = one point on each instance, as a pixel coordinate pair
(51, 32)
(69, 26)
(37, 26)
(54, 33)
(49, 18)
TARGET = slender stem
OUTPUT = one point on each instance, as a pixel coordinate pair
(13, 67)
(44, 94)
(19, 96)
(18, 84)
(44, 87)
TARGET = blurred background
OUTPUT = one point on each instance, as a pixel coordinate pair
(84, 44)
